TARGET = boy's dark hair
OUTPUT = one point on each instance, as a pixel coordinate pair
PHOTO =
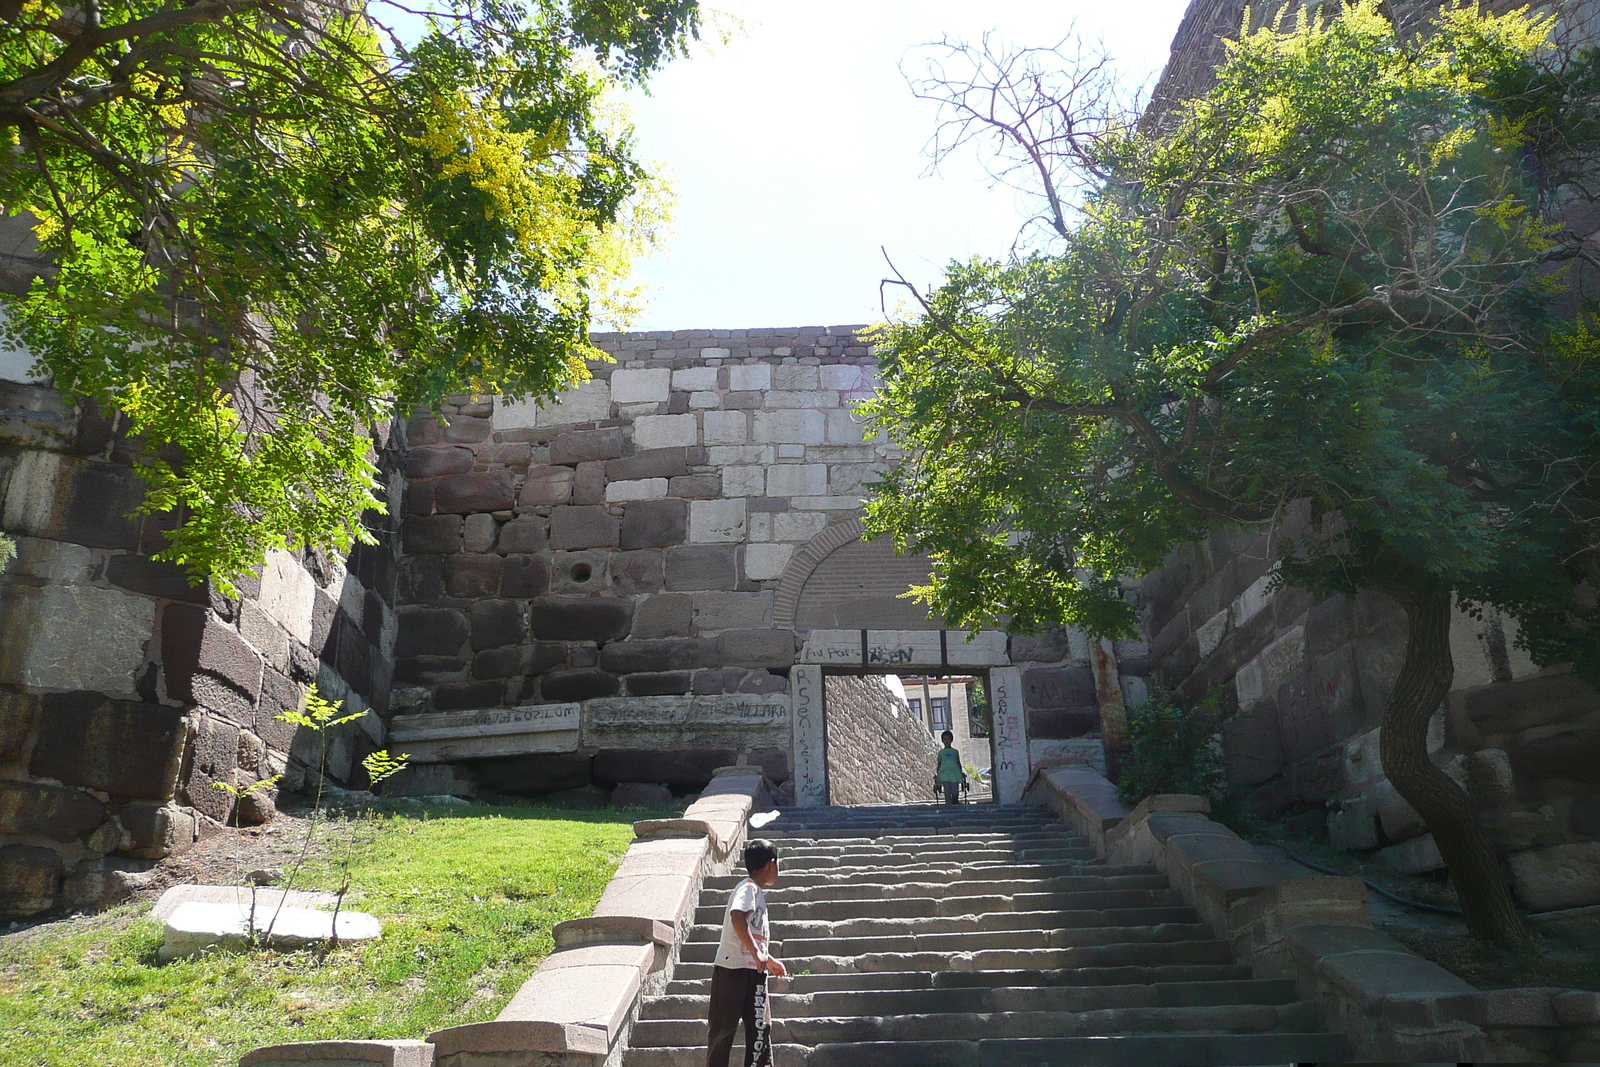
(759, 853)
(947, 737)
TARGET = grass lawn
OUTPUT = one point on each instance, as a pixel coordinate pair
(467, 897)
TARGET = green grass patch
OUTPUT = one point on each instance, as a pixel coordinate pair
(467, 898)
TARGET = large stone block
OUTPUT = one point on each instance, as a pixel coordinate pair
(430, 632)
(546, 486)
(440, 534)
(141, 574)
(750, 376)
(672, 683)
(798, 479)
(718, 611)
(666, 431)
(30, 879)
(1059, 687)
(1563, 876)
(584, 684)
(633, 657)
(766, 562)
(1354, 825)
(598, 619)
(587, 445)
(202, 657)
(756, 648)
(523, 534)
(156, 831)
(1051, 646)
(691, 567)
(74, 637)
(1400, 820)
(582, 527)
(117, 746)
(29, 809)
(525, 576)
(468, 695)
(727, 427)
(496, 623)
(589, 487)
(580, 572)
(1560, 750)
(589, 402)
(695, 486)
(18, 711)
(465, 493)
(437, 462)
(654, 523)
(86, 502)
(472, 576)
(790, 426)
(533, 774)
(667, 615)
(651, 463)
(633, 573)
(717, 521)
(645, 385)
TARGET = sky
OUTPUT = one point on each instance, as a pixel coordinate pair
(798, 154)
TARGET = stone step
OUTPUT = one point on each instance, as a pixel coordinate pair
(954, 904)
(705, 948)
(818, 1030)
(983, 1000)
(1169, 953)
(1071, 976)
(1129, 1050)
(879, 886)
(709, 922)
(1000, 867)
(944, 855)
(695, 1056)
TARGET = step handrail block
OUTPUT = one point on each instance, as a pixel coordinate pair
(1391, 1004)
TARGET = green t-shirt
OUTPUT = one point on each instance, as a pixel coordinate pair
(949, 769)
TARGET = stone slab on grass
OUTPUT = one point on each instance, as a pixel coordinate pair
(197, 927)
(179, 895)
(342, 1054)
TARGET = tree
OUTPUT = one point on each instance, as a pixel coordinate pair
(273, 224)
(1331, 279)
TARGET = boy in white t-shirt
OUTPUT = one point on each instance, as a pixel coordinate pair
(738, 976)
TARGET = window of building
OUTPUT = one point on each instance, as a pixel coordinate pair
(916, 708)
(940, 707)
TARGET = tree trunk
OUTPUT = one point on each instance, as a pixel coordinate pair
(1424, 680)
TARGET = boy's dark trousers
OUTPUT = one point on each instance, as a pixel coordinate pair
(738, 994)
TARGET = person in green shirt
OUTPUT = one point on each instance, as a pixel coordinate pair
(947, 773)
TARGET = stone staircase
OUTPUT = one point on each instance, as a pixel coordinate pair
(979, 936)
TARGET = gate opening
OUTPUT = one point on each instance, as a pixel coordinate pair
(883, 732)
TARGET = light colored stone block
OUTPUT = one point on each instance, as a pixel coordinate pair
(793, 426)
(810, 753)
(766, 562)
(489, 722)
(811, 399)
(726, 428)
(1562, 876)
(1249, 603)
(797, 479)
(1010, 726)
(744, 481)
(469, 748)
(16, 364)
(748, 376)
(238, 896)
(634, 411)
(825, 503)
(718, 611)
(715, 353)
(791, 451)
(1211, 632)
(666, 431)
(761, 526)
(641, 385)
(794, 377)
(852, 478)
(717, 521)
(196, 927)
(1261, 676)
(704, 401)
(798, 525)
(1085, 751)
(845, 428)
(694, 379)
(76, 637)
(589, 402)
(840, 376)
(905, 648)
(636, 489)
(727, 455)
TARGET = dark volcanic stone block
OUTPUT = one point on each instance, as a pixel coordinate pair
(30, 879)
(544, 655)
(631, 657)
(471, 576)
(654, 523)
(484, 491)
(430, 632)
(434, 462)
(702, 567)
(17, 714)
(499, 663)
(1050, 646)
(633, 573)
(456, 695)
(696, 486)
(1059, 723)
(589, 487)
(561, 687)
(421, 579)
(197, 649)
(29, 808)
(756, 648)
(667, 615)
(279, 696)
(432, 533)
(525, 533)
(525, 576)
(672, 683)
(1060, 688)
(430, 670)
(585, 445)
(141, 574)
(117, 746)
(93, 500)
(598, 619)
(651, 463)
(582, 527)
(525, 775)
(496, 623)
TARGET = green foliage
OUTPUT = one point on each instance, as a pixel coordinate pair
(8, 551)
(276, 227)
(1173, 749)
(380, 765)
(1325, 296)
(467, 897)
(320, 714)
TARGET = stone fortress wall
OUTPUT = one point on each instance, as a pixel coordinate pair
(878, 751)
(126, 693)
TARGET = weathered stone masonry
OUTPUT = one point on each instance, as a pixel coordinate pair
(878, 751)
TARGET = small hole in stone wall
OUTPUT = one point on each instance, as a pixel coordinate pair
(581, 572)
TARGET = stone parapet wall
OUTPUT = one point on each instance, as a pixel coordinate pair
(125, 692)
(878, 751)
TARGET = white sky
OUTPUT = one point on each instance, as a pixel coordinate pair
(796, 150)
